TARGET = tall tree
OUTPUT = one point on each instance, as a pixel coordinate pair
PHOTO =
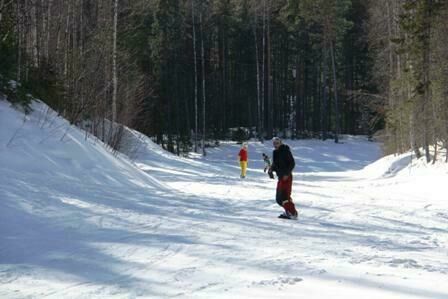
(195, 78)
(203, 82)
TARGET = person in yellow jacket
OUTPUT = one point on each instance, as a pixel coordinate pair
(242, 156)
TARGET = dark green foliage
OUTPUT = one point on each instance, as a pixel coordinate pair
(8, 56)
(8, 42)
(240, 135)
(162, 43)
(42, 84)
(15, 93)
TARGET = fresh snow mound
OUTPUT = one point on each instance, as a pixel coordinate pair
(42, 143)
(388, 166)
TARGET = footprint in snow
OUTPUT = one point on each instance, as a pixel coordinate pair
(280, 281)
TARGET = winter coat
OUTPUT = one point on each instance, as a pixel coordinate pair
(243, 155)
(267, 162)
(283, 161)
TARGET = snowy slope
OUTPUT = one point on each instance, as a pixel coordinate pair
(79, 222)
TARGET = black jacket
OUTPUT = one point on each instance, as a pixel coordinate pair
(283, 161)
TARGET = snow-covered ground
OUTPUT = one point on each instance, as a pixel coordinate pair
(79, 222)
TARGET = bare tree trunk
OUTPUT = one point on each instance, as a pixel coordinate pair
(391, 95)
(297, 92)
(203, 84)
(82, 28)
(412, 126)
(58, 37)
(224, 81)
(47, 40)
(324, 106)
(435, 126)
(269, 75)
(114, 65)
(34, 36)
(414, 145)
(195, 81)
(81, 51)
(26, 39)
(260, 132)
(263, 73)
(401, 142)
(66, 45)
(427, 79)
(2, 4)
(391, 59)
(335, 87)
(19, 42)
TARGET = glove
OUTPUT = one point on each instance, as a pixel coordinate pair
(271, 174)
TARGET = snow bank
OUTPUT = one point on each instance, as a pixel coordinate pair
(154, 160)
(46, 145)
(61, 196)
(388, 166)
(405, 165)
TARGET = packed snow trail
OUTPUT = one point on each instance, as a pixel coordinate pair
(78, 222)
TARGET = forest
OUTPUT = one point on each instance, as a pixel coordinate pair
(187, 72)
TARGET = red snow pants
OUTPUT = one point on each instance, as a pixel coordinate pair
(283, 196)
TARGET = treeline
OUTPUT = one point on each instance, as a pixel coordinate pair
(185, 70)
(67, 53)
(281, 67)
(410, 39)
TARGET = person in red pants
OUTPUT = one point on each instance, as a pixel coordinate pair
(283, 164)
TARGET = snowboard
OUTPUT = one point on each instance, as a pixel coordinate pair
(283, 216)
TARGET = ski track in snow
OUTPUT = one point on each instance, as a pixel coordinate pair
(77, 222)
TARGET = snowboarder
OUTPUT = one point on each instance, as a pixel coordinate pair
(283, 164)
(267, 162)
(242, 157)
